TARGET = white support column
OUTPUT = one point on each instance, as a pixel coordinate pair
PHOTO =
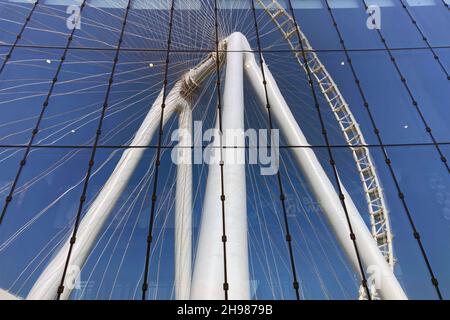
(208, 269)
(183, 207)
(47, 284)
(208, 274)
(321, 186)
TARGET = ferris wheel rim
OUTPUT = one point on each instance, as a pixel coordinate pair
(377, 208)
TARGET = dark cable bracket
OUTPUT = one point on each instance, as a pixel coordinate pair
(19, 36)
(295, 282)
(158, 155)
(93, 152)
(412, 97)
(226, 286)
(445, 5)
(330, 153)
(37, 126)
(383, 149)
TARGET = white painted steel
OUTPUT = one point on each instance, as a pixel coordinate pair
(183, 207)
(378, 211)
(208, 269)
(46, 286)
(321, 186)
(208, 277)
(90, 226)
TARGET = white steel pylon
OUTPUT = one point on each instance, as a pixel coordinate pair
(240, 54)
(177, 101)
(208, 268)
(378, 212)
(183, 207)
(208, 277)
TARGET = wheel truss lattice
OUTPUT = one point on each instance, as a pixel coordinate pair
(379, 215)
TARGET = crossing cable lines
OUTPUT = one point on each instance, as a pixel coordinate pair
(330, 153)
(424, 38)
(19, 36)
(93, 152)
(415, 103)
(158, 154)
(35, 131)
(280, 184)
(221, 163)
(206, 50)
(383, 148)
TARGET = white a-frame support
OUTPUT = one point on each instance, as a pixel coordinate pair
(208, 275)
(208, 268)
(91, 225)
(183, 208)
(95, 218)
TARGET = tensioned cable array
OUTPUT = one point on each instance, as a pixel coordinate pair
(19, 36)
(93, 153)
(280, 184)
(37, 126)
(226, 287)
(16, 194)
(168, 146)
(424, 38)
(266, 50)
(330, 153)
(388, 161)
(158, 155)
(415, 103)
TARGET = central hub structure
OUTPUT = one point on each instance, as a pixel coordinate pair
(224, 208)
(210, 263)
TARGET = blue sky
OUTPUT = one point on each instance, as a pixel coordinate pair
(115, 266)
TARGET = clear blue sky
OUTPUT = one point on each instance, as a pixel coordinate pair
(72, 118)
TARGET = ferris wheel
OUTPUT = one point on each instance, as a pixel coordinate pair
(177, 101)
(377, 209)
